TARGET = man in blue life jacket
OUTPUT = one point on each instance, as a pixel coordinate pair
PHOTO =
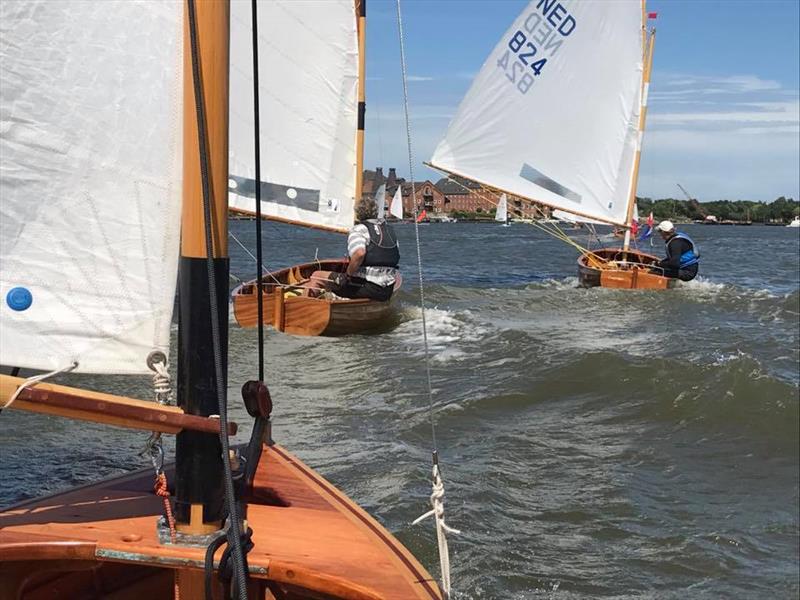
(683, 256)
(374, 259)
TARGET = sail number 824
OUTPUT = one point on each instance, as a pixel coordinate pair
(517, 71)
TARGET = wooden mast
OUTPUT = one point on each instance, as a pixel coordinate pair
(199, 495)
(361, 13)
(648, 66)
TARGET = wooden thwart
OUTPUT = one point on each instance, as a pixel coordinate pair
(84, 405)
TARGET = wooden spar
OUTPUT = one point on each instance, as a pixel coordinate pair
(516, 195)
(98, 407)
(648, 67)
(361, 14)
(249, 213)
(199, 495)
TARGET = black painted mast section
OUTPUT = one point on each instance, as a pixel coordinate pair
(199, 483)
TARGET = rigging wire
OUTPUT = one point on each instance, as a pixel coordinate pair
(550, 228)
(437, 496)
(234, 528)
(257, 148)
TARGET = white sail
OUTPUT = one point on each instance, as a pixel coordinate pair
(502, 209)
(380, 200)
(552, 116)
(308, 58)
(90, 181)
(396, 207)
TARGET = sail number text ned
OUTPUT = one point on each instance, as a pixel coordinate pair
(540, 36)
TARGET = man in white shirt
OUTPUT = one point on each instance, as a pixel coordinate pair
(374, 259)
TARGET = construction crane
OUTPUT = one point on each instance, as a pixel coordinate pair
(694, 203)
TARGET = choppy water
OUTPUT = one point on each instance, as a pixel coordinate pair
(595, 443)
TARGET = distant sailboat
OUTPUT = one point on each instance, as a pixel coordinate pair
(396, 208)
(501, 213)
(380, 201)
(312, 158)
(551, 142)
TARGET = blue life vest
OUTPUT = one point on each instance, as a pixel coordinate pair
(690, 257)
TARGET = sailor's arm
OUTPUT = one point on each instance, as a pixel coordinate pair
(356, 258)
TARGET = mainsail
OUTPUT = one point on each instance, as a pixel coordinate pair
(309, 111)
(90, 182)
(552, 116)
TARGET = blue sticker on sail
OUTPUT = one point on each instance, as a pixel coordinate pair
(19, 298)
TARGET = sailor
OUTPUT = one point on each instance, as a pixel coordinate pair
(683, 256)
(374, 259)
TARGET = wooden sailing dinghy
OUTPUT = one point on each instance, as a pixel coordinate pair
(313, 138)
(552, 142)
(617, 268)
(132, 178)
(288, 310)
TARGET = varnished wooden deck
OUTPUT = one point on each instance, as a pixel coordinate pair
(319, 543)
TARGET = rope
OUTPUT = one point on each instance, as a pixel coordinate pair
(438, 486)
(234, 531)
(250, 254)
(442, 529)
(550, 228)
(161, 490)
(31, 381)
(162, 383)
(257, 145)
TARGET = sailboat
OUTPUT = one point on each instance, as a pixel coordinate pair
(396, 207)
(120, 133)
(556, 116)
(312, 135)
(501, 214)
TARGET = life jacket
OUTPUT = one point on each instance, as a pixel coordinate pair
(691, 256)
(382, 250)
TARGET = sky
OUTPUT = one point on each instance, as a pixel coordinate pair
(724, 108)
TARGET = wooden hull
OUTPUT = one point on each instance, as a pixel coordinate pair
(301, 315)
(633, 275)
(101, 541)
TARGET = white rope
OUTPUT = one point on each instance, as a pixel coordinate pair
(442, 528)
(250, 254)
(438, 486)
(162, 383)
(31, 381)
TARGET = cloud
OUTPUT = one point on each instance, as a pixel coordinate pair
(420, 78)
(733, 116)
(676, 85)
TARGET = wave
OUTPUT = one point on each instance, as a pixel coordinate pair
(731, 392)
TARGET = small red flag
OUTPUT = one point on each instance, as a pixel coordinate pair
(634, 228)
(650, 220)
(422, 215)
(652, 15)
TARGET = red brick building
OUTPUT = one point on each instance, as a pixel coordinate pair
(446, 196)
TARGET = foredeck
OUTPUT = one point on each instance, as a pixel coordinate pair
(320, 541)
